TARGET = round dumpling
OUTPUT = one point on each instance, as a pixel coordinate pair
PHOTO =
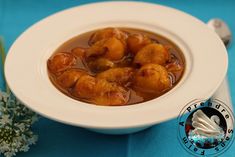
(100, 91)
(135, 42)
(106, 34)
(152, 78)
(112, 49)
(84, 87)
(79, 52)
(152, 53)
(70, 77)
(118, 75)
(110, 94)
(61, 62)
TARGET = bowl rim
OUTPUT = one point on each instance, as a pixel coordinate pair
(92, 116)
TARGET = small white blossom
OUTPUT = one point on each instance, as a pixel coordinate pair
(21, 126)
(5, 119)
(17, 143)
(17, 137)
(25, 148)
(9, 154)
(4, 147)
(33, 139)
(34, 119)
(4, 96)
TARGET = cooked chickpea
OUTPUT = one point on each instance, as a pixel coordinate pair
(135, 42)
(106, 34)
(152, 78)
(70, 77)
(60, 62)
(152, 53)
(118, 75)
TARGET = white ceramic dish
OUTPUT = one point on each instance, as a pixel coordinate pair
(26, 70)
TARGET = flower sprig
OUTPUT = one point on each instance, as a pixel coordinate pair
(15, 122)
(15, 126)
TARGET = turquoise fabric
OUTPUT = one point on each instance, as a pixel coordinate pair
(60, 140)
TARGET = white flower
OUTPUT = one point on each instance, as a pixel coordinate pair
(17, 137)
(9, 154)
(4, 147)
(17, 142)
(5, 120)
(18, 102)
(25, 148)
(34, 119)
(33, 139)
(21, 126)
(4, 95)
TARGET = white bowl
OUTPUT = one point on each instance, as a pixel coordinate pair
(26, 70)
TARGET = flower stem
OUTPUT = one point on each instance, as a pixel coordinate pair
(3, 56)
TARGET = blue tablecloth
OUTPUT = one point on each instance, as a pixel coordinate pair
(60, 140)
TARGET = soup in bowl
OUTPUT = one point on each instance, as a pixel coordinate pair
(69, 68)
(116, 66)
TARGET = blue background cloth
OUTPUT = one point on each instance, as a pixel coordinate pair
(60, 140)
